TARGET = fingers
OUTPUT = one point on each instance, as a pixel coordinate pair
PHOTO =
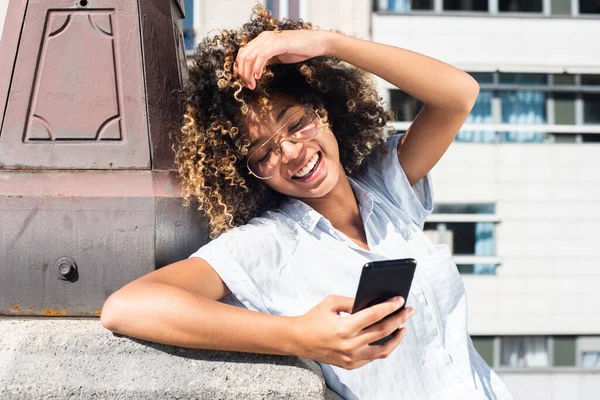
(373, 314)
(357, 356)
(339, 303)
(243, 66)
(254, 57)
(383, 351)
(385, 328)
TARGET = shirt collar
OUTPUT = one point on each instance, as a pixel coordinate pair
(308, 218)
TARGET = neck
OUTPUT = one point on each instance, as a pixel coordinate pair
(339, 206)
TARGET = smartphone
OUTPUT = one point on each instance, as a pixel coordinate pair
(381, 280)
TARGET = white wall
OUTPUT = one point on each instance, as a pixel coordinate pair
(552, 385)
(222, 14)
(3, 8)
(547, 197)
(352, 17)
(506, 44)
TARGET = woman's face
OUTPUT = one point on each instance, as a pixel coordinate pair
(305, 169)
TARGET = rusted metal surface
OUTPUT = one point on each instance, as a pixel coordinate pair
(164, 61)
(123, 226)
(81, 212)
(77, 99)
(117, 227)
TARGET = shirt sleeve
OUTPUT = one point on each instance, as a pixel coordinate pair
(382, 173)
(245, 259)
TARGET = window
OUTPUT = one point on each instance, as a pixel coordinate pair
(567, 102)
(560, 351)
(564, 108)
(590, 359)
(187, 24)
(589, 6)
(469, 231)
(520, 5)
(591, 108)
(404, 106)
(564, 351)
(284, 8)
(466, 5)
(404, 5)
(560, 7)
(524, 351)
(485, 347)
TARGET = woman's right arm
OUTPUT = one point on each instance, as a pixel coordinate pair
(178, 305)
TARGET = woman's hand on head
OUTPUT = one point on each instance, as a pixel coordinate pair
(326, 336)
(270, 47)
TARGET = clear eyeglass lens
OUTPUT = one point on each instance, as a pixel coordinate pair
(302, 126)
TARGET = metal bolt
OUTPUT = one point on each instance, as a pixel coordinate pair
(67, 269)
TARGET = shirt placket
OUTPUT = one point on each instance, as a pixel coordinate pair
(428, 330)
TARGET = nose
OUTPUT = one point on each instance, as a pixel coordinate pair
(289, 150)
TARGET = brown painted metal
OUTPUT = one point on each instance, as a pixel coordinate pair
(165, 67)
(77, 98)
(9, 42)
(88, 198)
(116, 229)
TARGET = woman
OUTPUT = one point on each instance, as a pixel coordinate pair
(283, 147)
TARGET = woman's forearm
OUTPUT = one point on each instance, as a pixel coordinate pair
(427, 79)
(163, 313)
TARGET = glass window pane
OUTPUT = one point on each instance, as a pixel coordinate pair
(187, 24)
(404, 106)
(523, 107)
(560, 7)
(483, 77)
(294, 9)
(405, 5)
(524, 351)
(563, 79)
(480, 114)
(273, 6)
(466, 5)
(485, 347)
(590, 138)
(591, 108)
(564, 351)
(589, 6)
(564, 138)
(520, 5)
(524, 79)
(564, 108)
(422, 4)
(593, 80)
(464, 209)
(590, 359)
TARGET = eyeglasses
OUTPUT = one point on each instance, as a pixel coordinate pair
(302, 126)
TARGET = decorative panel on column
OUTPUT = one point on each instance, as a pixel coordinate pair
(77, 96)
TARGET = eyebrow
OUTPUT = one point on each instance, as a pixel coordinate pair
(280, 115)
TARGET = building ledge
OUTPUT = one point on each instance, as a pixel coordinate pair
(50, 358)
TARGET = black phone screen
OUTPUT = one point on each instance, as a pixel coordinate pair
(381, 280)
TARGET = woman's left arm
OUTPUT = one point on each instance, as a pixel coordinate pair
(448, 93)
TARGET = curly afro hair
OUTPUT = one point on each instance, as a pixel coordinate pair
(211, 146)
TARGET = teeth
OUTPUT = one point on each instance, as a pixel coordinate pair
(308, 167)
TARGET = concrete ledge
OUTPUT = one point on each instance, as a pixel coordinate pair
(52, 358)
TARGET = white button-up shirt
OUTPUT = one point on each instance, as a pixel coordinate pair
(288, 260)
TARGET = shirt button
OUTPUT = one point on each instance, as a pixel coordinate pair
(421, 298)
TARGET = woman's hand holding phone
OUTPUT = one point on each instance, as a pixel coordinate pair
(326, 336)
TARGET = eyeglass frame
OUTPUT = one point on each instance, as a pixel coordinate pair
(277, 143)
